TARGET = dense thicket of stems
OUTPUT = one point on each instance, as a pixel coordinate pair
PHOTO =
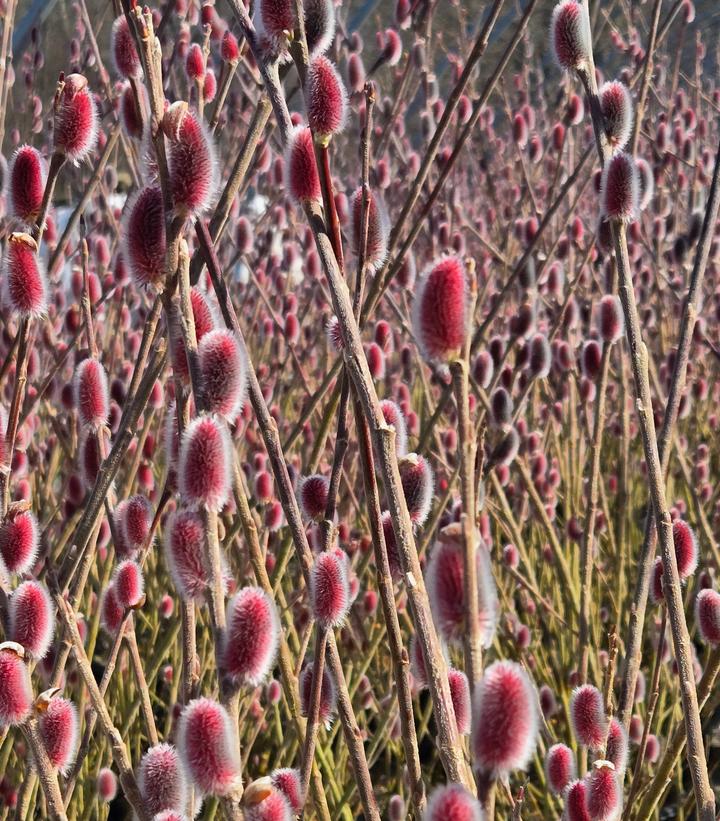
(493, 460)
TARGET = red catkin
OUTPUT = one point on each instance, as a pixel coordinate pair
(440, 309)
(143, 236)
(122, 47)
(59, 726)
(302, 181)
(252, 636)
(559, 767)
(26, 175)
(24, 283)
(620, 188)
(19, 542)
(92, 399)
(192, 165)
(452, 803)
(15, 692)
(329, 591)
(587, 715)
(205, 468)
(505, 720)
(76, 120)
(570, 35)
(206, 746)
(31, 618)
(325, 97)
(707, 615)
(161, 779)
(603, 795)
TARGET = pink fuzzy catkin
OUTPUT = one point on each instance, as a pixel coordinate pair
(143, 235)
(59, 728)
(24, 284)
(107, 784)
(460, 693)
(575, 798)
(418, 483)
(707, 615)
(439, 311)
(505, 720)
(326, 98)
(224, 371)
(111, 611)
(92, 399)
(15, 692)
(185, 545)
(19, 541)
(603, 794)
(206, 745)
(161, 779)
(611, 320)
(252, 636)
(616, 749)
(302, 180)
(192, 164)
(26, 174)
(686, 549)
(329, 589)
(446, 590)
(617, 111)
(129, 584)
(570, 35)
(559, 767)
(31, 618)
(620, 189)
(287, 781)
(452, 803)
(319, 25)
(205, 463)
(312, 493)
(274, 807)
(76, 119)
(123, 50)
(136, 521)
(587, 715)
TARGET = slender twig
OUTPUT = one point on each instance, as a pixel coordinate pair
(117, 746)
(676, 744)
(672, 407)
(142, 687)
(288, 500)
(384, 277)
(48, 776)
(478, 50)
(652, 704)
(467, 451)
(704, 796)
(645, 77)
(591, 505)
(5, 51)
(226, 77)
(72, 223)
(288, 678)
(398, 653)
(313, 716)
(237, 177)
